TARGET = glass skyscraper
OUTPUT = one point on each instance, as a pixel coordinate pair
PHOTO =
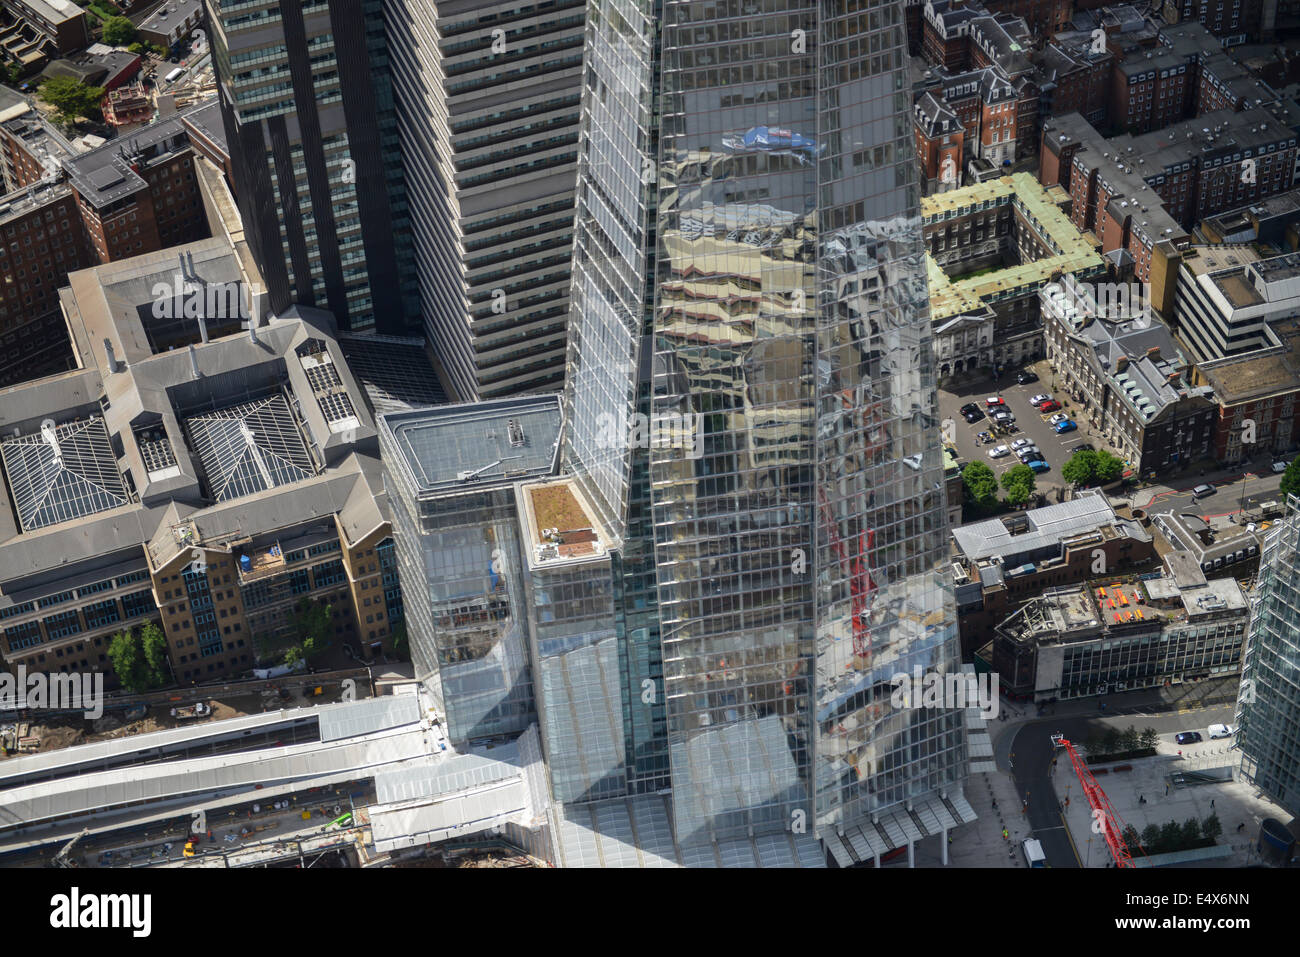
(1268, 706)
(749, 279)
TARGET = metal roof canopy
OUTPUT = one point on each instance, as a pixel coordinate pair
(249, 447)
(63, 472)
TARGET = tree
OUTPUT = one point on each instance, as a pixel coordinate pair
(1019, 482)
(118, 31)
(1106, 467)
(1081, 467)
(1171, 837)
(981, 484)
(71, 98)
(1110, 741)
(1191, 832)
(1150, 838)
(1291, 479)
(1149, 738)
(126, 655)
(313, 622)
(1212, 827)
(1131, 839)
(293, 656)
(153, 644)
(1129, 739)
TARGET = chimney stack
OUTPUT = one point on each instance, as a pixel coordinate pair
(194, 361)
(110, 356)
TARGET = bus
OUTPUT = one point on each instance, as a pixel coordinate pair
(175, 74)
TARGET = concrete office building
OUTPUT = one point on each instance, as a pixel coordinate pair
(1268, 706)
(1124, 633)
(312, 131)
(206, 467)
(488, 94)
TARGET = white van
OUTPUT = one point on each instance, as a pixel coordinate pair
(1220, 731)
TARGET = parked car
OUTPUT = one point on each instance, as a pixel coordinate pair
(1220, 731)
(1280, 466)
(969, 407)
(1066, 426)
(1021, 443)
(1203, 490)
(1082, 447)
(1188, 737)
(1027, 376)
(1038, 465)
(1059, 417)
(1051, 405)
(998, 451)
(1039, 399)
(1004, 415)
(994, 401)
(973, 416)
(1029, 454)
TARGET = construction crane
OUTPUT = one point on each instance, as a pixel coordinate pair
(63, 858)
(861, 584)
(1112, 826)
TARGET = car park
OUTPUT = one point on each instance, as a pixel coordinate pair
(1220, 731)
(1066, 426)
(998, 451)
(1188, 737)
(1059, 417)
(1203, 490)
(1039, 399)
(1026, 376)
(1051, 405)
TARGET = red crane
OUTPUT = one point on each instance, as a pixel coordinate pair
(1112, 825)
(861, 584)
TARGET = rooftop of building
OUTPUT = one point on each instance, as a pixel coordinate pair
(1131, 603)
(54, 11)
(1039, 529)
(1273, 369)
(394, 371)
(172, 12)
(22, 202)
(1074, 253)
(246, 433)
(455, 448)
(559, 524)
(1130, 346)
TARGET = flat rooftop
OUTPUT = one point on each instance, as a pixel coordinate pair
(560, 524)
(459, 447)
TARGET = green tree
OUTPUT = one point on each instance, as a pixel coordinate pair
(1291, 479)
(1110, 739)
(153, 645)
(1019, 482)
(1131, 838)
(1129, 739)
(981, 484)
(1081, 467)
(1149, 738)
(118, 30)
(293, 656)
(1151, 838)
(71, 97)
(1212, 827)
(126, 655)
(313, 622)
(1191, 832)
(1171, 837)
(1107, 467)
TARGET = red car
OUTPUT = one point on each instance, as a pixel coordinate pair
(1051, 405)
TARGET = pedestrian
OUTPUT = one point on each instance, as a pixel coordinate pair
(1241, 827)
(1211, 802)
(1166, 790)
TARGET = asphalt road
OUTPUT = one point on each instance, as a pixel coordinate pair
(1033, 753)
(1032, 425)
(1228, 499)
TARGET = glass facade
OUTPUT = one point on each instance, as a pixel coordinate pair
(1268, 706)
(748, 261)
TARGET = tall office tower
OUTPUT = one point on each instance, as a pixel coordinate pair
(488, 94)
(307, 104)
(1268, 706)
(748, 266)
